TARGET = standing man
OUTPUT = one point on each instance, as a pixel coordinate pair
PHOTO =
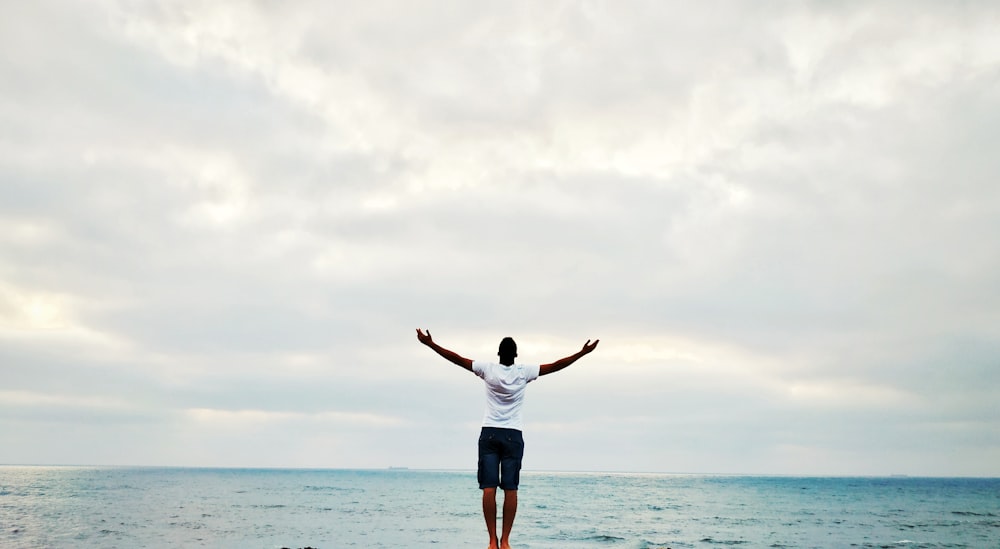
(500, 444)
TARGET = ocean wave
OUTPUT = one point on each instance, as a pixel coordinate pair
(972, 514)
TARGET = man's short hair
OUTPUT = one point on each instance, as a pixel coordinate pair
(507, 348)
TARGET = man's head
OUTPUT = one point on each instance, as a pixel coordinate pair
(508, 351)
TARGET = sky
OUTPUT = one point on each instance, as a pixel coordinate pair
(221, 223)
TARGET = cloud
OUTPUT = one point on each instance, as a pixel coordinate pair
(778, 219)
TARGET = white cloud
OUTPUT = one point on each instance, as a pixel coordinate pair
(250, 419)
(778, 219)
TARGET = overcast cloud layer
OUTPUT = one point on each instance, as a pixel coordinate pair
(221, 222)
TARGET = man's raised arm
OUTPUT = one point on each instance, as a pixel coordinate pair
(564, 362)
(452, 356)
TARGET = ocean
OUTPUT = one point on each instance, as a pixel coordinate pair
(328, 509)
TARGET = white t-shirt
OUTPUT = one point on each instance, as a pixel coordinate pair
(504, 392)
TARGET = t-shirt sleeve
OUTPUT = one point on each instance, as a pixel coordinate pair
(531, 372)
(479, 368)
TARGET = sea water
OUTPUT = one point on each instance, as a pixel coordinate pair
(329, 509)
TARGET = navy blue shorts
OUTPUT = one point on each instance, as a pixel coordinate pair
(500, 453)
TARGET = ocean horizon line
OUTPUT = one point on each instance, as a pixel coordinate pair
(395, 468)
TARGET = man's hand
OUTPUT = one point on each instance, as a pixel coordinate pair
(452, 356)
(546, 369)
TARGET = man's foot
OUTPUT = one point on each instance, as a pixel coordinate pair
(505, 544)
(495, 544)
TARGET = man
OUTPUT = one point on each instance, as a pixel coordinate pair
(501, 446)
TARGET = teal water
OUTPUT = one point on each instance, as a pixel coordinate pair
(246, 508)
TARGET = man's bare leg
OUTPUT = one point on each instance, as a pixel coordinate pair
(490, 514)
(509, 511)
